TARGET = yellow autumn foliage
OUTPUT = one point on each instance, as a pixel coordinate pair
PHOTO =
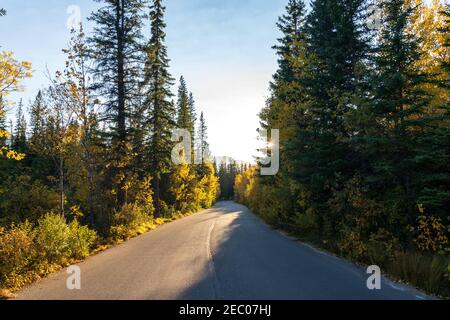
(426, 23)
(12, 72)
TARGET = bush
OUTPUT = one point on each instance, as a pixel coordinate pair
(352, 246)
(25, 199)
(166, 210)
(143, 195)
(130, 221)
(58, 242)
(27, 252)
(81, 240)
(53, 237)
(431, 234)
(306, 223)
(17, 252)
(381, 248)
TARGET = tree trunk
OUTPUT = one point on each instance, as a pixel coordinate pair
(156, 196)
(121, 114)
(61, 185)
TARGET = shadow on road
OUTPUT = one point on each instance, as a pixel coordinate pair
(251, 261)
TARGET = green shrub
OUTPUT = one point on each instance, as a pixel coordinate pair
(53, 237)
(27, 252)
(306, 223)
(130, 221)
(81, 240)
(25, 199)
(381, 248)
(352, 246)
(168, 211)
(17, 252)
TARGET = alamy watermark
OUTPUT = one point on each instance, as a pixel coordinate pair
(270, 162)
(74, 19)
(182, 152)
(73, 282)
(374, 280)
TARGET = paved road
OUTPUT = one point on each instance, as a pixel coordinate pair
(224, 252)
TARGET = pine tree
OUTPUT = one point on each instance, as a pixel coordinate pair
(38, 140)
(432, 147)
(186, 112)
(445, 31)
(203, 145)
(286, 88)
(291, 25)
(193, 119)
(320, 153)
(37, 116)
(160, 108)
(183, 112)
(116, 45)
(19, 141)
(285, 108)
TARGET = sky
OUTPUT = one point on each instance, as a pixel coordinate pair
(221, 47)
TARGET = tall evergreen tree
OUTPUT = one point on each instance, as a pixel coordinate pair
(432, 158)
(161, 111)
(203, 146)
(285, 109)
(183, 114)
(338, 48)
(445, 31)
(186, 112)
(286, 91)
(193, 119)
(38, 132)
(19, 141)
(291, 25)
(398, 111)
(116, 45)
(37, 116)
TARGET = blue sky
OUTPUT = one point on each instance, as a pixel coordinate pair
(222, 47)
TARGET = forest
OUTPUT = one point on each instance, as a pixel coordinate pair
(93, 165)
(361, 98)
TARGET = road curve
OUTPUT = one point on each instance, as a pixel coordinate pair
(224, 252)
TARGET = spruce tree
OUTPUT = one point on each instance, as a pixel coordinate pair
(116, 49)
(285, 109)
(286, 87)
(338, 47)
(38, 137)
(398, 111)
(38, 112)
(183, 113)
(433, 147)
(445, 31)
(186, 112)
(159, 106)
(203, 146)
(19, 141)
(193, 119)
(291, 25)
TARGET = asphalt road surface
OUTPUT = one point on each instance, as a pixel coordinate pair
(225, 252)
